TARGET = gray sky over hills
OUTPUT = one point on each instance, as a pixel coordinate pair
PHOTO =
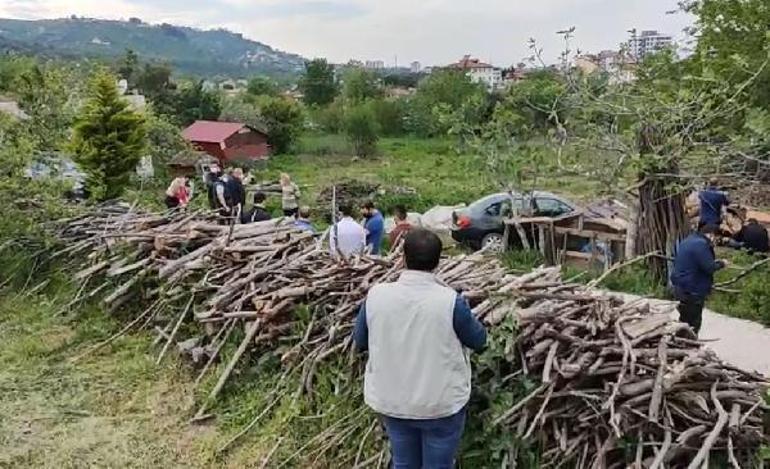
(431, 31)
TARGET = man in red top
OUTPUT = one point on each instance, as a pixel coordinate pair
(402, 225)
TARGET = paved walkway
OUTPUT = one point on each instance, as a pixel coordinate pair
(737, 341)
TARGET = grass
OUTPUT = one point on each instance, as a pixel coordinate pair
(751, 296)
(433, 167)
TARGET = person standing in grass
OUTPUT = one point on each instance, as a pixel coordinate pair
(693, 274)
(418, 373)
(289, 196)
(374, 225)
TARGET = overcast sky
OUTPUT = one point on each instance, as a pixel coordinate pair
(431, 31)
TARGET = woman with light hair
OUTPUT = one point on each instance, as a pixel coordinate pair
(178, 194)
(289, 196)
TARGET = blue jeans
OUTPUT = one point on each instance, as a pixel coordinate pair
(426, 444)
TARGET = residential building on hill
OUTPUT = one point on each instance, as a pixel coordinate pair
(648, 42)
(415, 67)
(480, 72)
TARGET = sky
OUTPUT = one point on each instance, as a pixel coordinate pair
(434, 32)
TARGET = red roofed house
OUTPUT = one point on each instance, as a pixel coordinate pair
(228, 141)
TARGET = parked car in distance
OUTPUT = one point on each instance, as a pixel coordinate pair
(480, 224)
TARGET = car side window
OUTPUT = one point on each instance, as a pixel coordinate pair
(551, 207)
(494, 209)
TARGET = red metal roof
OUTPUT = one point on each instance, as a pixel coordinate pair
(211, 131)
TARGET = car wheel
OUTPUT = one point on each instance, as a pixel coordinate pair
(493, 242)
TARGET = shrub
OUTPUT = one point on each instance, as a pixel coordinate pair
(362, 129)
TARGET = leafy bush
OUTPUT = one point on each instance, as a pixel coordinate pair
(390, 115)
(283, 120)
(362, 129)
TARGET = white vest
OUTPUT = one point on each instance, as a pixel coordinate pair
(417, 367)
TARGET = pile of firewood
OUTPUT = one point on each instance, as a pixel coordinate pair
(614, 374)
(622, 383)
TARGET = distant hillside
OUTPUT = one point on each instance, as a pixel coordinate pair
(189, 50)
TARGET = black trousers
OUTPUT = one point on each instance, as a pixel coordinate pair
(171, 202)
(690, 309)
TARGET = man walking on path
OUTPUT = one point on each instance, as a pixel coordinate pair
(418, 375)
(712, 201)
(374, 226)
(693, 274)
(236, 194)
(347, 237)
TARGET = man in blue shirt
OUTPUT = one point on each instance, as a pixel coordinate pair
(712, 200)
(418, 373)
(693, 274)
(374, 226)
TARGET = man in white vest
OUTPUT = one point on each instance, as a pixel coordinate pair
(418, 376)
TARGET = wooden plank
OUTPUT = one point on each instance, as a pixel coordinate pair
(590, 234)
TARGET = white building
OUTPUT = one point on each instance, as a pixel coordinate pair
(647, 43)
(480, 72)
(375, 64)
(415, 67)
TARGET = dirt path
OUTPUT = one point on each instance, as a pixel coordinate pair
(737, 341)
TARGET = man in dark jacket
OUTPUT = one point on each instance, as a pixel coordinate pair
(236, 194)
(693, 274)
(712, 200)
(752, 236)
(258, 212)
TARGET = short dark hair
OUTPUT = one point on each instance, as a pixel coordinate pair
(399, 211)
(752, 221)
(422, 250)
(259, 197)
(369, 205)
(346, 209)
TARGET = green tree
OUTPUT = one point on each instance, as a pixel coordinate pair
(539, 101)
(362, 129)
(154, 81)
(283, 120)
(262, 86)
(128, 67)
(44, 93)
(318, 83)
(195, 103)
(360, 85)
(108, 138)
(733, 44)
(442, 91)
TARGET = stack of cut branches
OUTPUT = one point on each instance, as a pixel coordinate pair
(621, 383)
(613, 373)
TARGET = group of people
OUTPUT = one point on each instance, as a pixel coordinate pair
(348, 237)
(695, 262)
